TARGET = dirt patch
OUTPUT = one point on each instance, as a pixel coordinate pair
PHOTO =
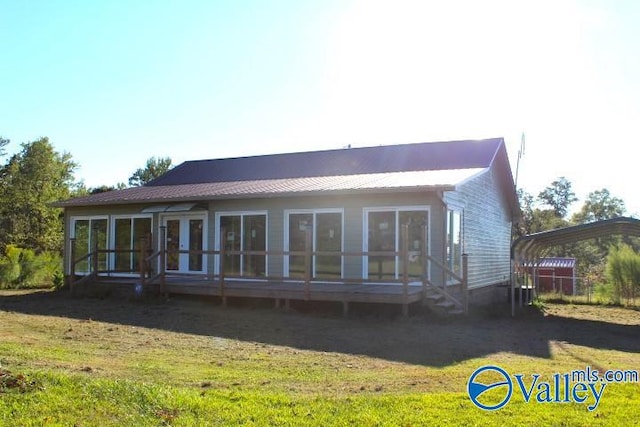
(421, 339)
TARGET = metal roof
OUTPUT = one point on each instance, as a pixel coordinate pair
(424, 166)
(554, 262)
(443, 180)
(352, 161)
(532, 246)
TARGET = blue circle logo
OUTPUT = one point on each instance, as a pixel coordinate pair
(490, 378)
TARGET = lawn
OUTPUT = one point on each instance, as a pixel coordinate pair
(87, 361)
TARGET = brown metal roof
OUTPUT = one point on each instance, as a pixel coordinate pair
(353, 161)
(440, 180)
(430, 166)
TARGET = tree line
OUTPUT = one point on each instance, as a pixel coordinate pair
(31, 230)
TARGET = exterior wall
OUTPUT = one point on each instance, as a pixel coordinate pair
(352, 206)
(101, 211)
(486, 228)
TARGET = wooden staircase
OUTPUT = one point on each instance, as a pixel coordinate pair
(441, 302)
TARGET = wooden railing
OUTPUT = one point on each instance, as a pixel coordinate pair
(151, 266)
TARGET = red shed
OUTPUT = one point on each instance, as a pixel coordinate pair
(555, 275)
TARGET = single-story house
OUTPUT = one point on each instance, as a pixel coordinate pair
(257, 215)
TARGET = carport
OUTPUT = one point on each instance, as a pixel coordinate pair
(527, 250)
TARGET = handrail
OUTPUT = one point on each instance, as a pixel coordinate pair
(149, 274)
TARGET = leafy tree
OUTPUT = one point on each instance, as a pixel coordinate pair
(559, 195)
(600, 204)
(3, 143)
(154, 168)
(105, 188)
(29, 182)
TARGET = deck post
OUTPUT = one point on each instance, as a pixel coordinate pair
(423, 256)
(163, 254)
(345, 308)
(308, 263)
(141, 256)
(405, 270)
(94, 259)
(465, 282)
(72, 267)
(223, 233)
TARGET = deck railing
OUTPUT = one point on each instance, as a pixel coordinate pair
(151, 266)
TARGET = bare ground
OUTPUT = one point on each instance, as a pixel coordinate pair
(421, 339)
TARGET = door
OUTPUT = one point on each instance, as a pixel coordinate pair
(185, 241)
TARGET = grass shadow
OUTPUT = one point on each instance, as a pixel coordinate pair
(420, 339)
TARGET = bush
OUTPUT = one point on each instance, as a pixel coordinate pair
(23, 268)
(623, 272)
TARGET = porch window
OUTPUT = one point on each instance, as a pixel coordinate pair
(89, 231)
(128, 236)
(454, 241)
(245, 232)
(326, 237)
(384, 234)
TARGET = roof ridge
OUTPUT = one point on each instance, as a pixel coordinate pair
(348, 148)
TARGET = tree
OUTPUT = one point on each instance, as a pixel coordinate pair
(559, 195)
(30, 181)
(106, 188)
(3, 143)
(600, 204)
(154, 168)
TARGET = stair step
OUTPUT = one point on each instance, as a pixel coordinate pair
(445, 304)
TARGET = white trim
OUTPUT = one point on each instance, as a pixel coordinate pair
(205, 233)
(72, 234)
(112, 238)
(396, 209)
(448, 209)
(241, 214)
(314, 212)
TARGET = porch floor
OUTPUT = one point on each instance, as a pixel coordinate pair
(284, 290)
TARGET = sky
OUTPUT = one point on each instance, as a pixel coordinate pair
(116, 82)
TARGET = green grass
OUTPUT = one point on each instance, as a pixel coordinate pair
(154, 364)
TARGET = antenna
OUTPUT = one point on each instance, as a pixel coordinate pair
(520, 155)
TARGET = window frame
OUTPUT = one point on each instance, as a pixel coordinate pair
(72, 236)
(450, 262)
(314, 212)
(241, 214)
(112, 236)
(396, 209)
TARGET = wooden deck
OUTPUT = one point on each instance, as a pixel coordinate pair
(286, 290)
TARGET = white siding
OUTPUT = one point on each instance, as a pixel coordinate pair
(486, 228)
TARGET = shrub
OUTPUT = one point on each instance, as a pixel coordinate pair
(23, 268)
(623, 272)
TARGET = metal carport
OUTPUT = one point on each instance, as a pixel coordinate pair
(527, 249)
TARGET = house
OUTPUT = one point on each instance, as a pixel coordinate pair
(554, 274)
(324, 217)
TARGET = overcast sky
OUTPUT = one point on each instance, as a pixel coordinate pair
(116, 82)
